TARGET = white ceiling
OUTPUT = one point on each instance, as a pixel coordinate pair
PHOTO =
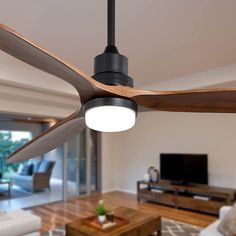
(163, 39)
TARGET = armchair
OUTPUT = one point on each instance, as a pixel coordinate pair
(39, 180)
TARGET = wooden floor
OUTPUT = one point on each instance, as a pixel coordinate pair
(58, 214)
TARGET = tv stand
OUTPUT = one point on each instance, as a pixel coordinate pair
(203, 198)
(179, 183)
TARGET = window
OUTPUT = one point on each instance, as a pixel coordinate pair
(9, 142)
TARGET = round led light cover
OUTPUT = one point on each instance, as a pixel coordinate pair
(110, 114)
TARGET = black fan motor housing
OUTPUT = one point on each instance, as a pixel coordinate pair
(111, 68)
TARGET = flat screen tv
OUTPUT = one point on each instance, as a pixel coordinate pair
(184, 168)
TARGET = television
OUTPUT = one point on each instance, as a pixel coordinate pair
(184, 168)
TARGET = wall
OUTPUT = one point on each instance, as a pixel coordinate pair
(109, 167)
(27, 100)
(133, 151)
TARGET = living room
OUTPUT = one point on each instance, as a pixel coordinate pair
(177, 46)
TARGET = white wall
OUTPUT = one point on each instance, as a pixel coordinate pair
(109, 162)
(27, 100)
(130, 153)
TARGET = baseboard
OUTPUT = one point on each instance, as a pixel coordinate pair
(120, 190)
(126, 190)
(109, 190)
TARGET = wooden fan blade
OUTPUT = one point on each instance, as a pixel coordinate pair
(21, 48)
(213, 101)
(50, 139)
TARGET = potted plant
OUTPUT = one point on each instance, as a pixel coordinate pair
(101, 211)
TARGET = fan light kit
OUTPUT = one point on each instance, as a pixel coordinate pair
(108, 100)
(110, 114)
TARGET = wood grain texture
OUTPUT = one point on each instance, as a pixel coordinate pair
(210, 101)
(60, 213)
(140, 223)
(182, 196)
(13, 43)
(23, 49)
(50, 139)
(214, 100)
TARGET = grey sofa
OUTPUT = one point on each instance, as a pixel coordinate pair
(39, 179)
(211, 230)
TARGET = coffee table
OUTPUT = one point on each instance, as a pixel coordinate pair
(140, 224)
(7, 182)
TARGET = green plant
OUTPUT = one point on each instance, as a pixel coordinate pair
(7, 146)
(101, 209)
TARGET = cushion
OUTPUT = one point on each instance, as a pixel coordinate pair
(228, 225)
(211, 230)
(44, 166)
(36, 163)
(19, 223)
(20, 168)
(27, 170)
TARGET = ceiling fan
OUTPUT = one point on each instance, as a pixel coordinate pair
(109, 101)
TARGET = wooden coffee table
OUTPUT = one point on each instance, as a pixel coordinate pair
(140, 224)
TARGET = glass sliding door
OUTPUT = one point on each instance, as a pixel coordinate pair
(95, 161)
(81, 164)
(75, 156)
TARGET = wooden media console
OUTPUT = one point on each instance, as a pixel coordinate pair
(203, 198)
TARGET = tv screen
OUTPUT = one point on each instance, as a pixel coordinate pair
(184, 168)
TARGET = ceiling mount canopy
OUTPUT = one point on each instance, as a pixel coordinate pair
(109, 101)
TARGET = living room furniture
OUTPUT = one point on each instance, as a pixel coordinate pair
(140, 223)
(203, 198)
(8, 183)
(40, 178)
(211, 230)
(19, 223)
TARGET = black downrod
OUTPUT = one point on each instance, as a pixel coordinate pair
(111, 22)
(111, 67)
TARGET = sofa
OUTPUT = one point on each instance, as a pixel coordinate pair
(211, 230)
(34, 175)
(19, 223)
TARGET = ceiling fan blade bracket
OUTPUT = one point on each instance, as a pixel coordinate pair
(113, 78)
(110, 101)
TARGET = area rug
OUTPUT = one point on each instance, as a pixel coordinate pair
(169, 228)
(176, 228)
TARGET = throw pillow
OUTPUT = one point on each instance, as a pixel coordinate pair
(20, 168)
(36, 164)
(44, 166)
(27, 170)
(228, 225)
